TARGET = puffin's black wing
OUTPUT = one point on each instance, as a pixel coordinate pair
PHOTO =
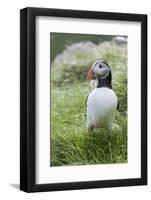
(118, 104)
(86, 100)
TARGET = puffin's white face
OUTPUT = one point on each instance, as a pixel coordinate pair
(100, 69)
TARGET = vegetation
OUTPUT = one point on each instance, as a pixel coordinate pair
(71, 143)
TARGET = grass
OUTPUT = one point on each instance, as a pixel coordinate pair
(71, 143)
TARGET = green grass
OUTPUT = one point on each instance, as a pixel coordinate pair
(71, 143)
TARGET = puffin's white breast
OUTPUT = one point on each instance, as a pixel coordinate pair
(101, 107)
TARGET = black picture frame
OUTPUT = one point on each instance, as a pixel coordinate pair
(28, 99)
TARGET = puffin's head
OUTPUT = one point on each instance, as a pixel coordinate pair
(99, 70)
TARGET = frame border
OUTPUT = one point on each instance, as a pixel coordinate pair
(27, 99)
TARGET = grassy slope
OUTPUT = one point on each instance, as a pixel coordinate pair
(71, 143)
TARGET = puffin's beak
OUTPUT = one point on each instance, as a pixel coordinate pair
(89, 76)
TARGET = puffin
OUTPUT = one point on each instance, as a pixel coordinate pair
(102, 102)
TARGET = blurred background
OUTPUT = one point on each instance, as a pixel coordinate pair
(71, 55)
(61, 40)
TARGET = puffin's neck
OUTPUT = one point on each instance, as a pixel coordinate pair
(104, 83)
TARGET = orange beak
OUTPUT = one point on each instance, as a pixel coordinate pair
(89, 76)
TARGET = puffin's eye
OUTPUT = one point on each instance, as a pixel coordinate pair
(100, 66)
